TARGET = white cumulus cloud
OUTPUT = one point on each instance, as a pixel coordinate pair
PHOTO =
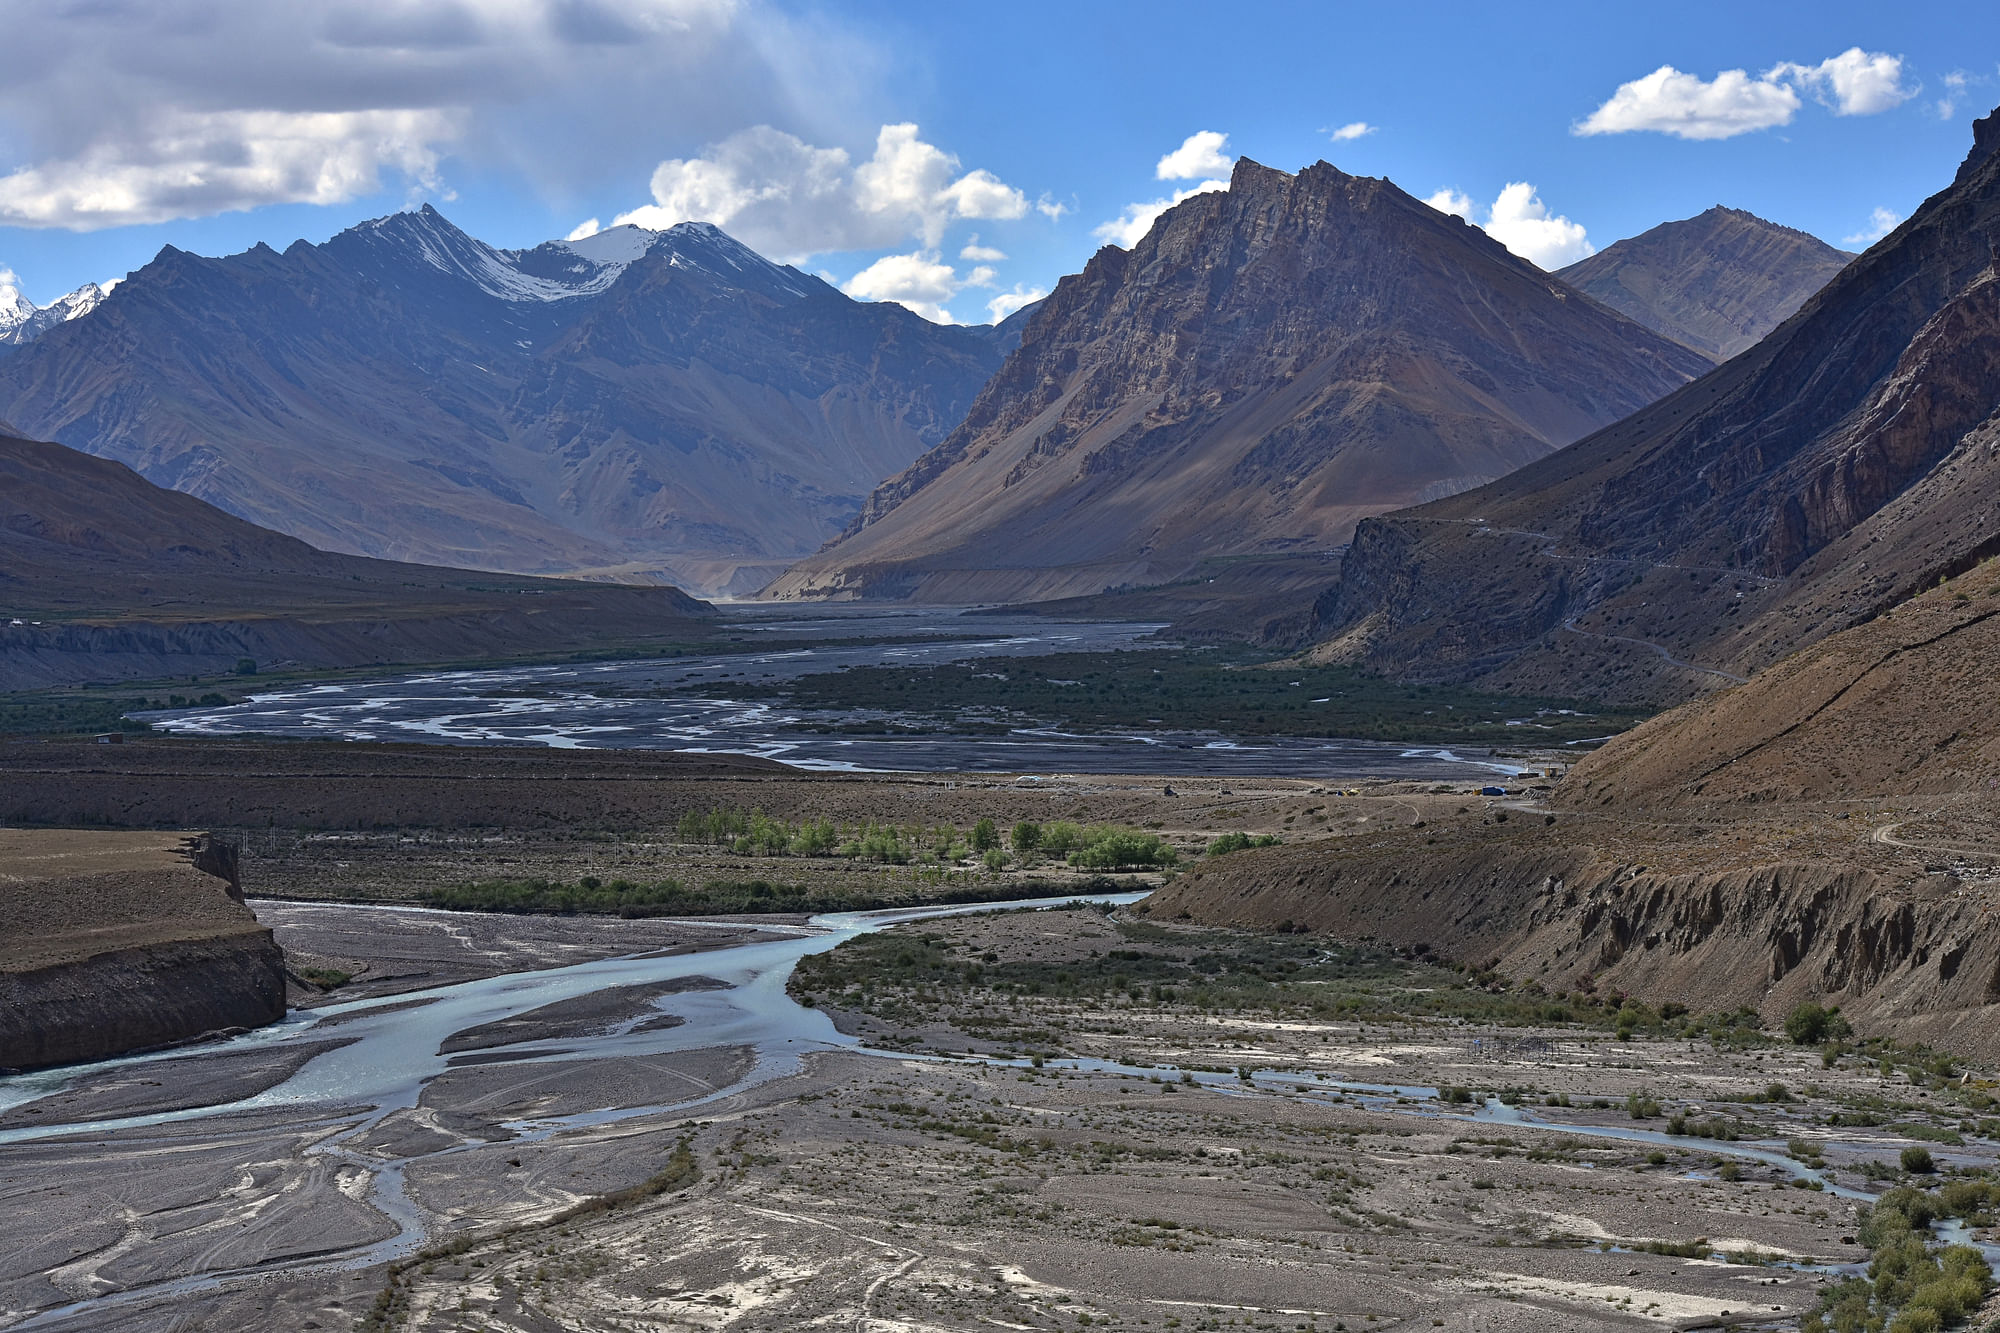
(975, 253)
(1354, 129)
(193, 164)
(1671, 101)
(1202, 154)
(1880, 223)
(780, 195)
(1006, 303)
(117, 112)
(922, 282)
(1520, 221)
(584, 230)
(1668, 101)
(1853, 83)
(1130, 227)
(1455, 202)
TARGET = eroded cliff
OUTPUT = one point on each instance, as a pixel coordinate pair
(113, 942)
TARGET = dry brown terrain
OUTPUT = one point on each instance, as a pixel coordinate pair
(1268, 365)
(1332, 1189)
(1828, 831)
(114, 941)
(109, 577)
(68, 894)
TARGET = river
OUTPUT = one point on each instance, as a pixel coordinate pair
(337, 1099)
(651, 704)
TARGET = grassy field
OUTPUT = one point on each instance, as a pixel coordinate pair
(1238, 693)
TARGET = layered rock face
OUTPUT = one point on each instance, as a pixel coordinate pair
(1267, 366)
(1849, 459)
(109, 577)
(1717, 282)
(1828, 831)
(666, 406)
(114, 942)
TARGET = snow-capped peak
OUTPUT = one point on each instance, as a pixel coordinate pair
(614, 245)
(21, 321)
(15, 309)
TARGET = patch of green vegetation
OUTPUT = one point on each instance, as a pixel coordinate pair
(591, 896)
(84, 712)
(1092, 847)
(898, 974)
(1235, 692)
(326, 978)
(1913, 1285)
(1236, 842)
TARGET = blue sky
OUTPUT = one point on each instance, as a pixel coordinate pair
(214, 124)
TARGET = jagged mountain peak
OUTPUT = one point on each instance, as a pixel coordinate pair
(22, 322)
(1266, 365)
(653, 404)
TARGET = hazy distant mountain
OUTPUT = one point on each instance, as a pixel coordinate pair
(1847, 461)
(1717, 282)
(637, 404)
(1267, 366)
(104, 576)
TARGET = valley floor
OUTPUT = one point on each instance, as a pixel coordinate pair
(1012, 1143)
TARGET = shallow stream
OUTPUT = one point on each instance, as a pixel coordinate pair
(652, 705)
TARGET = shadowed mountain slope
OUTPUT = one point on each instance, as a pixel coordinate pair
(1850, 459)
(105, 576)
(1717, 282)
(637, 405)
(1267, 366)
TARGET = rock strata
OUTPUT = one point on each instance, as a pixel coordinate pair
(116, 942)
(1847, 461)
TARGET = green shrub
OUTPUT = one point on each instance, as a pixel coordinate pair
(1236, 842)
(1809, 1024)
(1917, 1160)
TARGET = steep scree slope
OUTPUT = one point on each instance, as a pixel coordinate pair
(1850, 458)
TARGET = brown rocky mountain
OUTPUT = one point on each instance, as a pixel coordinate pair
(1267, 366)
(1848, 460)
(1717, 282)
(637, 405)
(1827, 832)
(105, 576)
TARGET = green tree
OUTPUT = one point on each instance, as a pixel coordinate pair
(1027, 836)
(985, 837)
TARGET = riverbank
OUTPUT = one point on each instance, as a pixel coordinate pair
(116, 941)
(1220, 1151)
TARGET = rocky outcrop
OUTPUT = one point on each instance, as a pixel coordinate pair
(1268, 365)
(131, 999)
(113, 942)
(1827, 831)
(1848, 460)
(1717, 282)
(1903, 953)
